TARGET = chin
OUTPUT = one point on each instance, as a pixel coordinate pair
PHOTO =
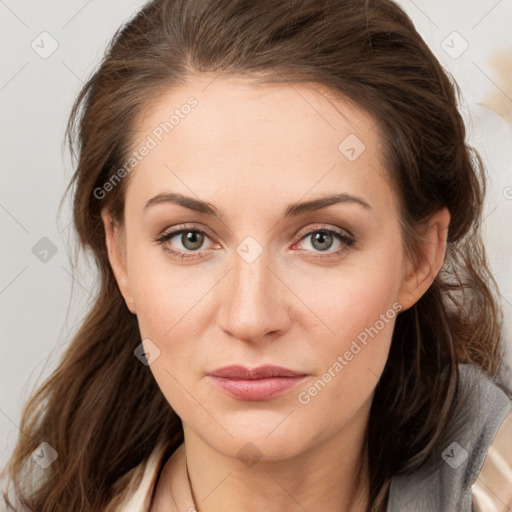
(261, 437)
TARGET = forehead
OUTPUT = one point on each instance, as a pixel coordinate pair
(229, 138)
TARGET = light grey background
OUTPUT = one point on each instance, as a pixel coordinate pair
(36, 93)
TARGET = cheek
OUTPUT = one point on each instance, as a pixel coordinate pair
(358, 309)
(351, 361)
(167, 297)
(351, 354)
(171, 305)
(343, 302)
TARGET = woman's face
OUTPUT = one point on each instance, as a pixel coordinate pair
(255, 279)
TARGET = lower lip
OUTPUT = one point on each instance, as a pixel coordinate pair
(257, 389)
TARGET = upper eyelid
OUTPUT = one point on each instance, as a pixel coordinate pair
(325, 227)
(176, 231)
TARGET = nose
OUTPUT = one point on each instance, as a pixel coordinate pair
(254, 305)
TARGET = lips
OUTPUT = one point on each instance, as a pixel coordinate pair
(261, 383)
(261, 372)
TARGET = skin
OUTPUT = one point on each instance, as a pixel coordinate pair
(287, 307)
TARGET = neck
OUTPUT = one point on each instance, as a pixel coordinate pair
(331, 476)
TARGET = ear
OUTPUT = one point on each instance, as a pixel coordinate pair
(116, 246)
(418, 279)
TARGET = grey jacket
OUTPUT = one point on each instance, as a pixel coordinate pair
(444, 483)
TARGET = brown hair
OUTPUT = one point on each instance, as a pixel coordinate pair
(90, 409)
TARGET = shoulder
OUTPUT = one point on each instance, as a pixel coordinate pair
(492, 491)
(445, 481)
(491, 477)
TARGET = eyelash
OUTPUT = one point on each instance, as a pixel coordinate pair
(347, 240)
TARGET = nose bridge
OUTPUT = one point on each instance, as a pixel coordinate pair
(252, 303)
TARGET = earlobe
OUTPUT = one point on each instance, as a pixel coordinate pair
(117, 257)
(418, 279)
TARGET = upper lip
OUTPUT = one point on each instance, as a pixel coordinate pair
(260, 372)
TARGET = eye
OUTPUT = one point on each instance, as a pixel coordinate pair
(322, 240)
(191, 240)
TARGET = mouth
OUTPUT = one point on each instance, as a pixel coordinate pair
(257, 384)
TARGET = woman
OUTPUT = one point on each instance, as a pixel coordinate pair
(295, 310)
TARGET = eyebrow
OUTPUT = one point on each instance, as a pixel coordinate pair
(292, 210)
